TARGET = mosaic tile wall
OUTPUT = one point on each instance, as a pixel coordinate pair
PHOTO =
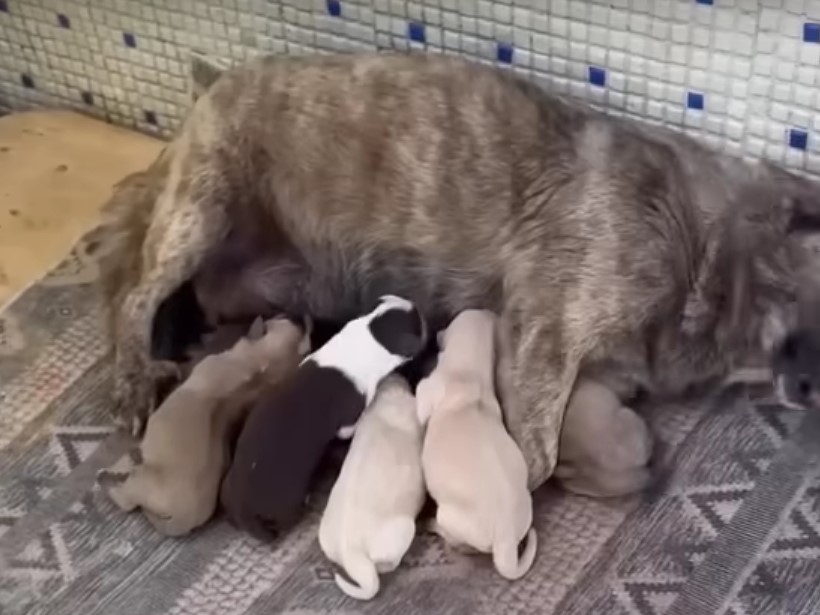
(740, 74)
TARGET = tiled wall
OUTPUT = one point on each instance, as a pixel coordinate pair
(741, 74)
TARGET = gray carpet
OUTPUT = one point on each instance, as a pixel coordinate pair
(734, 526)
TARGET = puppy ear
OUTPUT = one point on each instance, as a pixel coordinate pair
(429, 394)
(403, 333)
(304, 344)
(257, 329)
(308, 324)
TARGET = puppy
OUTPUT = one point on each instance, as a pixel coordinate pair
(370, 518)
(184, 452)
(473, 468)
(287, 431)
(605, 447)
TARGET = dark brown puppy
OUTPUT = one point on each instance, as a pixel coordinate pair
(288, 430)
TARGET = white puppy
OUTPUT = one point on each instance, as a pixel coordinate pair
(473, 469)
(370, 518)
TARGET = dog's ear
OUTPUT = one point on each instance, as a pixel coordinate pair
(204, 71)
(722, 293)
(402, 332)
(799, 200)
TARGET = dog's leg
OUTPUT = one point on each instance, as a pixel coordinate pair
(387, 545)
(462, 531)
(176, 243)
(536, 373)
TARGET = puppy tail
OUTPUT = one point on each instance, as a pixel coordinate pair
(506, 560)
(363, 573)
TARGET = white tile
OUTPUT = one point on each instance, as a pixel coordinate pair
(805, 96)
(760, 86)
(782, 92)
(810, 54)
(656, 90)
(800, 119)
(654, 109)
(779, 112)
(734, 130)
(676, 74)
(678, 54)
(617, 60)
(616, 81)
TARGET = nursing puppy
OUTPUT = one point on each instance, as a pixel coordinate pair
(605, 448)
(184, 453)
(287, 431)
(473, 468)
(370, 518)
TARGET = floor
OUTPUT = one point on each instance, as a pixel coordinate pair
(56, 171)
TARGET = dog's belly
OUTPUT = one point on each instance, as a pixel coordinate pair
(439, 293)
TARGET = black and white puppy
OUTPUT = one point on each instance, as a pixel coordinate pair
(288, 429)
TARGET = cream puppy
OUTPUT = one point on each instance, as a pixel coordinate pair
(605, 448)
(473, 468)
(370, 518)
(174, 475)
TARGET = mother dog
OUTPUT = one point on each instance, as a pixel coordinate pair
(613, 251)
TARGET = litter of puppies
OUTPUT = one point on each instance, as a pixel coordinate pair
(278, 406)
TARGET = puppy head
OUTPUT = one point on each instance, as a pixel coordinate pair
(398, 326)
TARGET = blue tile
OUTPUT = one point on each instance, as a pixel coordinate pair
(694, 100)
(415, 32)
(811, 32)
(88, 98)
(63, 20)
(596, 76)
(334, 7)
(129, 39)
(27, 81)
(798, 139)
(4, 7)
(504, 53)
(705, 1)
(151, 117)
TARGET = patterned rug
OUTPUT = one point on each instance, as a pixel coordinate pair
(734, 527)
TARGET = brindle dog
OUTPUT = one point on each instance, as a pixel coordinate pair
(611, 250)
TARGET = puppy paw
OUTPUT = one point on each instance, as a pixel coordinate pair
(110, 478)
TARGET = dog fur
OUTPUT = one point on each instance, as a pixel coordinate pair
(370, 518)
(473, 469)
(287, 432)
(627, 253)
(184, 453)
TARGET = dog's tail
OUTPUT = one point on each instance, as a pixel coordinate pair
(362, 572)
(506, 559)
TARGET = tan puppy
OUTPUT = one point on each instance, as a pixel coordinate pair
(605, 447)
(473, 468)
(370, 518)
(184, 453)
